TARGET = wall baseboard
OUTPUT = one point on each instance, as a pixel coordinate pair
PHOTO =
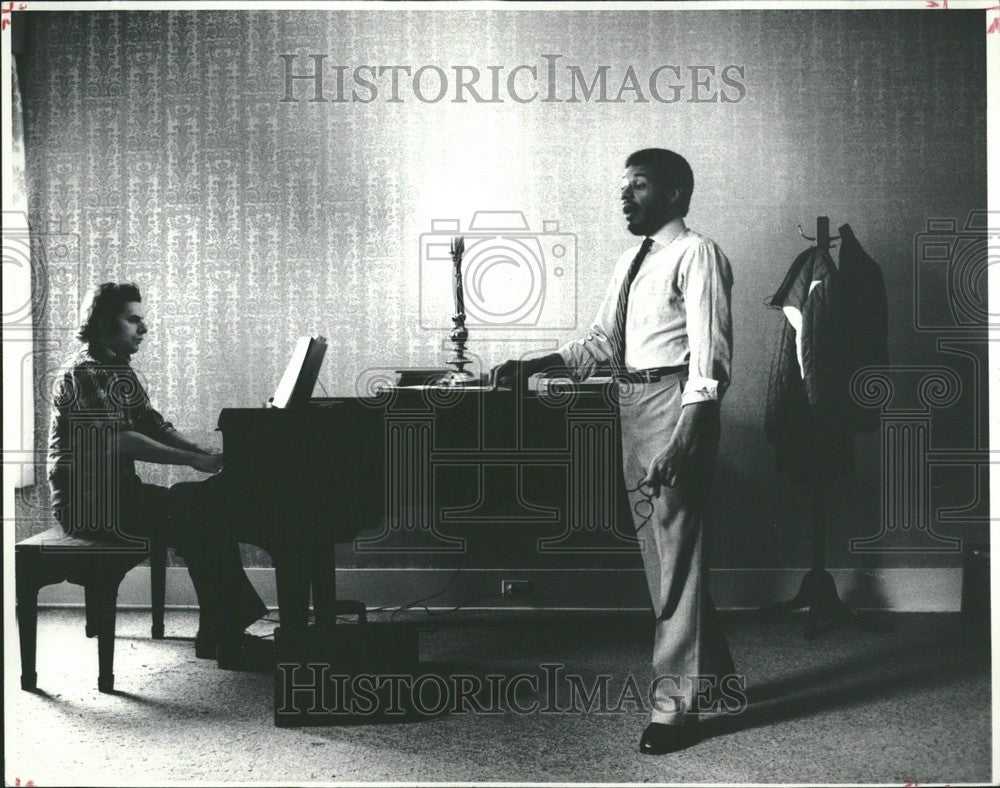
(906, 590)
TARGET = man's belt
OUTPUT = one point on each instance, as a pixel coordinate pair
(650, 375)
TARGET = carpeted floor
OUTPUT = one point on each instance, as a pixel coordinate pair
(910, 705)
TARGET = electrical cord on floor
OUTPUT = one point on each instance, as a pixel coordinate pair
(416, 602)
(436, 613)
(427, 611)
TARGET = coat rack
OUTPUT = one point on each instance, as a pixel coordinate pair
(823, 236)
(818, 591)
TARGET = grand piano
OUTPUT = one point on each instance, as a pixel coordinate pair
(363, 469)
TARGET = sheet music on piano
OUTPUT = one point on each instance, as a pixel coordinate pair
(296, 385)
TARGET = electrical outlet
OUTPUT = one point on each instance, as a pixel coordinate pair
(518, 588)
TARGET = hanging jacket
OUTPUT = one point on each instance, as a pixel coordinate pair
(808, 353)
(834, 323)
(866, 327)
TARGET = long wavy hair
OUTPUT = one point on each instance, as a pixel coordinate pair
(101, 307)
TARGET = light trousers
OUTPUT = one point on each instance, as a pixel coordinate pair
(689, 647)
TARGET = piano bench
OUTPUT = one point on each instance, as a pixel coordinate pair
(97, 565)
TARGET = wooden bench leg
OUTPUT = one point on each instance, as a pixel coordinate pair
(158, 584)
(27, 629)
(104, 597)
(89, 604)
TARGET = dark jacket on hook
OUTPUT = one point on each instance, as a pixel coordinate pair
(834, 323)
(866, 328)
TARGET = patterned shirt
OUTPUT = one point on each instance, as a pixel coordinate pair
(678, 314)
(96, 397)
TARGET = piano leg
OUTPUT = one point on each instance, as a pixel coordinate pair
(324, 592)
(292, 579)
(322, 569)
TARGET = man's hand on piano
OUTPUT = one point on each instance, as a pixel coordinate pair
(507, 373)
(207, 463)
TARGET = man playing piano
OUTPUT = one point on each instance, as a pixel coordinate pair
(95, 488)
(665, 330)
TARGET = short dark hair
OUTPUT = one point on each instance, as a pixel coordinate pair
(670, 168)
(101, 307)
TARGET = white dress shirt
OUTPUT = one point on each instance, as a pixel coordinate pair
(678, 314)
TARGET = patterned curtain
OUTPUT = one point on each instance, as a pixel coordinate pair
(18, 329)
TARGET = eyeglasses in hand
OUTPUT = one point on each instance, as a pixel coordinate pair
(643, 507)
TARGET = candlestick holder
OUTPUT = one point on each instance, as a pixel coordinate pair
(459, 376)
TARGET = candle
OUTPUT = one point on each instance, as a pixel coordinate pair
(457, 250)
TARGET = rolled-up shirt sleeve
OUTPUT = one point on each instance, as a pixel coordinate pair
(706, 280)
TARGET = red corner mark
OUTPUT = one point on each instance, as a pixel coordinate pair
(6, 9)
(17, 780)
(994, 23)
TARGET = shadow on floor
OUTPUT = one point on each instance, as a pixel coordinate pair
(882, 670)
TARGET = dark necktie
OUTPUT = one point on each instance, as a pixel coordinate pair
(618, 329)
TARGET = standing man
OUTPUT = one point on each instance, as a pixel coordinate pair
(665, 330)
(101, 424)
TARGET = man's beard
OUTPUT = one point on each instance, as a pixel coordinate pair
(648, 225)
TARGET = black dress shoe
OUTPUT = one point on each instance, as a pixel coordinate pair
(247, 653)
(659, 738)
